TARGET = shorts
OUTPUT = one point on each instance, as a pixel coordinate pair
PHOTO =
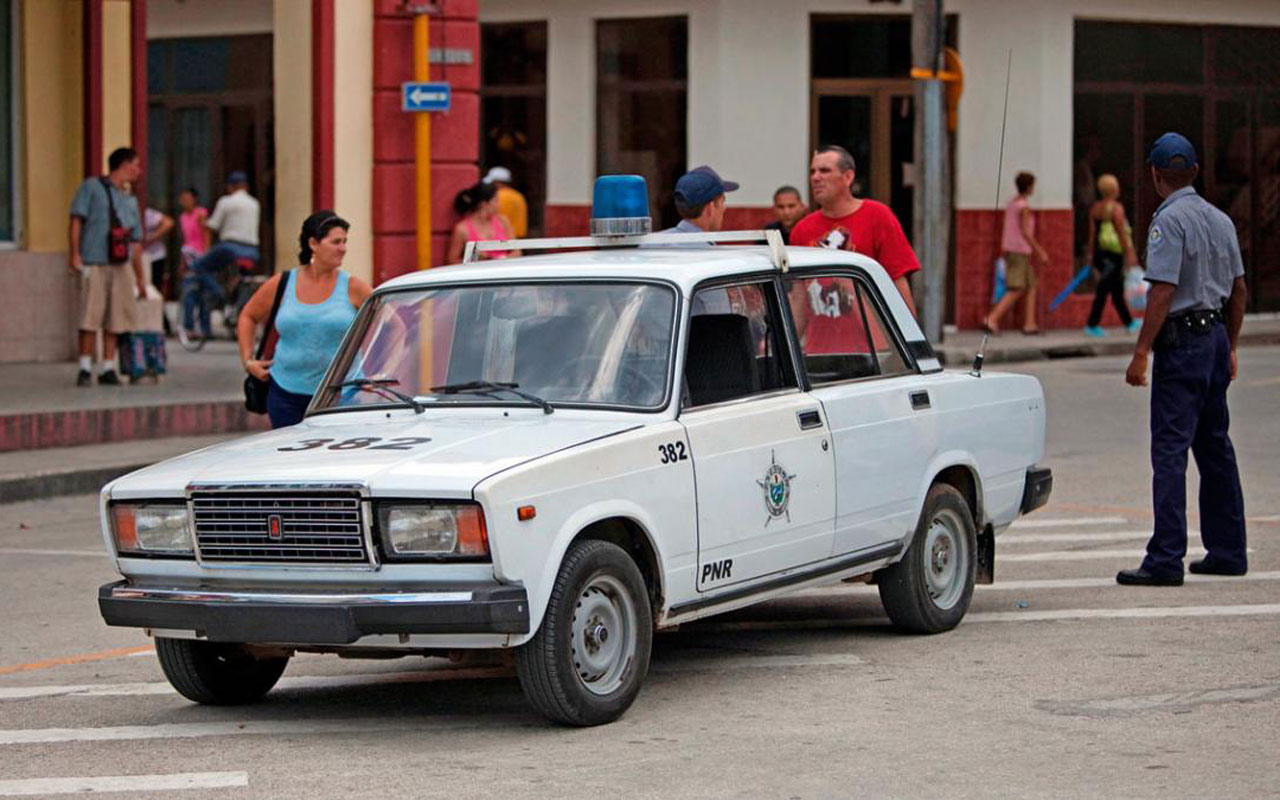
(1018, 272)
(107, 296)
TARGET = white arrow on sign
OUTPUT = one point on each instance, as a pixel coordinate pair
(419, 97)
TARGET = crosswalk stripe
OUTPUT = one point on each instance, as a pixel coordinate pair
(1266, 609)
(1256, 609)
(124, 783)
(192, 730)
(1014, 537)
(840, 590)
(1033, 522)
(39, 551)
(1085, 555)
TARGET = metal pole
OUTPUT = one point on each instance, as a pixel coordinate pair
(422, 138)
(932, 191)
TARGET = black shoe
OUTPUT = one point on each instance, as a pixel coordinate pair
(109, 378)
(1208, 566)
(1140, 577)
(84, 378)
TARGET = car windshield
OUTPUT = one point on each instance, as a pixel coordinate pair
(605, 344)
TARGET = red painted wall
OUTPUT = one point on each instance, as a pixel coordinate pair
(455, 135)
(977, 235)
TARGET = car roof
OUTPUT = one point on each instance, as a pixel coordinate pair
(684, 266)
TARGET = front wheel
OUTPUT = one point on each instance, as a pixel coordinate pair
(216, 673)
(929, 590)
(585, 664)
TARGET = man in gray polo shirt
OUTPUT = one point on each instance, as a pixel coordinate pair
(107, 288)
(1194, 310)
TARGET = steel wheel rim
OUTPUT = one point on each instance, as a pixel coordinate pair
(946, 559)
(603, 635)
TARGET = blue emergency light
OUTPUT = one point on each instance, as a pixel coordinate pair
(620, 206)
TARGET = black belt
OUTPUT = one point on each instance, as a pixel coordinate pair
(1198, 320)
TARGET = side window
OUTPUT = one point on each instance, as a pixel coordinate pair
(735, 346)
(843, 335)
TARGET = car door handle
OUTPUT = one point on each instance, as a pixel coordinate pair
(919, 401)
(809, 419)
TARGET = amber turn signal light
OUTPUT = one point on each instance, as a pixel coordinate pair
(526, 513)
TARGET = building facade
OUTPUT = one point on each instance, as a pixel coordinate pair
(304, 95)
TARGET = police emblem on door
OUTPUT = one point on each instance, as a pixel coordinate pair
(777, 490)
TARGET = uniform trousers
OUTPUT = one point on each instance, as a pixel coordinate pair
(1189, 412)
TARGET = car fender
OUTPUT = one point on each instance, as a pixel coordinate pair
(939, 464)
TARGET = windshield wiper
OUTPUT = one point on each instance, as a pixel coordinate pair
(487, 388)
(382, 386)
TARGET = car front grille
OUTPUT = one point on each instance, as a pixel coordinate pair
(293, 528)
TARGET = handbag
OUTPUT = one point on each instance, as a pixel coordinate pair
(117, 234)
(255, 390)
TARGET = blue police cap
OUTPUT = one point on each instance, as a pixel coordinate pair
(700, 186)
(1169, 147)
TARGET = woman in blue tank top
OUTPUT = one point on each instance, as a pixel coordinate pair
(319, 303)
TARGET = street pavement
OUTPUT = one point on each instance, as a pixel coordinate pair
(1059, 682)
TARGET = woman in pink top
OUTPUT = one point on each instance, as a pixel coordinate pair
(195, 236)
(481, 222)
(1019, 244)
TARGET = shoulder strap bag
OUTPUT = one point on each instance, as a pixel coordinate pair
(117, 234)
(255, 390)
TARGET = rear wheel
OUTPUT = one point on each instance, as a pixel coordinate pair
(216, 673)
(585, 664)
(929, 590)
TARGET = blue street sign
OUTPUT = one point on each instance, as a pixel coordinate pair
(425, 96)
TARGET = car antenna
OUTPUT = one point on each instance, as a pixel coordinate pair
(977, 359)
(982, 347)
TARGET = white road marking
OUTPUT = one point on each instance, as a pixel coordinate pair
(193, 730)
(1069, 538)
(840, 590)
(711, 661)
(1268, 609)
(1083, 555)
(1275, 518)
(1024, 522)
(37, 551)
(124, 783)
(1246, 610)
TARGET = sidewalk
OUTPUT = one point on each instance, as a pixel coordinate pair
(41, 407)
(958, 349)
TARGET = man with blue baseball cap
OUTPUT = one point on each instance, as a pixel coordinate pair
(1195, 306)
(700, 200)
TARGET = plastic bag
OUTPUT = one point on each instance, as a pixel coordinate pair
(1135, 288)
(999, 284)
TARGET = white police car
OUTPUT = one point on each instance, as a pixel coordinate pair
(559, 454)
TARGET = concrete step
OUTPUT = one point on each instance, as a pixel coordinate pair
(36, 474)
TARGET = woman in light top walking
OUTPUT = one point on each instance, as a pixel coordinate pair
(1018, 243)
(481, 222)
(319, 304)
(1112, 250)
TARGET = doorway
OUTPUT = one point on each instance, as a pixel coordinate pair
(875, 121)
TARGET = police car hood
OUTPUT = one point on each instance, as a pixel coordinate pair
(402, 454)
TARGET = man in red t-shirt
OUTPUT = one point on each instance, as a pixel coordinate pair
(845, 222)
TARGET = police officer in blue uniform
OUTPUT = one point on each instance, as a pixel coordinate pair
(1195, 305)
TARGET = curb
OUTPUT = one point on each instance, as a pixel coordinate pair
(40, 486)
(70, 428)
(953, 356)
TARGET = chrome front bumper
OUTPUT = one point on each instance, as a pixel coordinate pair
(316, 617)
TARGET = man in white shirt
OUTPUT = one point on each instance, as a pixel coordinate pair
(235, 219)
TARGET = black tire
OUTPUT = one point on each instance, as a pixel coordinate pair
(555, 668)
(217, 674)
(929, 590)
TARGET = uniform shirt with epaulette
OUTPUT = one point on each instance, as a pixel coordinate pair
(1193, 245)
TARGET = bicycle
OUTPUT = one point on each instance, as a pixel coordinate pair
(236, 292)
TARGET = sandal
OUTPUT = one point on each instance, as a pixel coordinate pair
(1032, 332)
(987, 329)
